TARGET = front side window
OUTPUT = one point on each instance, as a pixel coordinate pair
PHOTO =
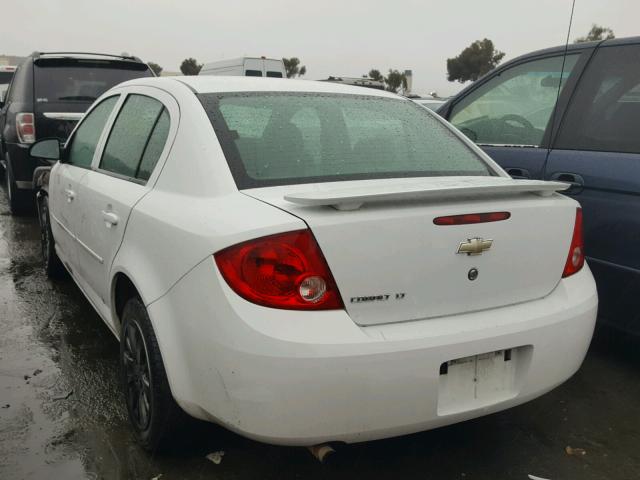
(274, 138)
(132, 137)
(605, 111)
(84, 142)
(515, 106)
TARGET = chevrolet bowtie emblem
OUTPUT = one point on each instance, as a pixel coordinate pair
(475, 246)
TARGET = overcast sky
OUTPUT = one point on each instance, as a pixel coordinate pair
(331, 37)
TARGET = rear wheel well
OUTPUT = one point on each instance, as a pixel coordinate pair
(124, 290)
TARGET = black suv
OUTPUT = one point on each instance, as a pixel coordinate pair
(49, 93)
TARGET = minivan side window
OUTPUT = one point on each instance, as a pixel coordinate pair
(515, 106)
(605, 110)
(85, 140)
(137, 138)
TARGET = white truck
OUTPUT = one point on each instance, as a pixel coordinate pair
(246, 67)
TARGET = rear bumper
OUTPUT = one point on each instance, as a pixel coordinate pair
(304, 378)
(22, 165)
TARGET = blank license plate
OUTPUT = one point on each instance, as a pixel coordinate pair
(478, 381)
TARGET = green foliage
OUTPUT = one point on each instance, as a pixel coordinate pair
(596, 33)
(375, 74)
(293, 68)
(190, 66)
(157, 69)
(394, 80)
(474, 61)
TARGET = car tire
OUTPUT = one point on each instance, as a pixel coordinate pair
(19, 201)
(52, 264)
(153, 412)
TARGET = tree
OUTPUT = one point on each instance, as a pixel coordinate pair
(374, 74)
(293, 68)
(395, 80)
(474, 61)
(596, 33)
(157, 69)
(190, 66)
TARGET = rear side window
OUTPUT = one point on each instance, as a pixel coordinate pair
(72, 80)
(274, 74)
(513, 107)
(137, 138)
(253, 73)
(275, 138)
(605, 110)
(84, 142)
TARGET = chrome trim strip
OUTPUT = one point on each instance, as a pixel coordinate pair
(91, 252)
(83, 245)
(74, 116)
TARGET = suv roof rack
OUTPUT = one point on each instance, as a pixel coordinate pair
(70, 54)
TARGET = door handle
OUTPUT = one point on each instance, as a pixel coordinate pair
(573, 179)
(518, 173)
(70, 194)
(109, 218)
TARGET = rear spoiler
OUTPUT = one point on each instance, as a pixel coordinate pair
(432, 189)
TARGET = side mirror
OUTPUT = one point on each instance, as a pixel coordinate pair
(47, 149)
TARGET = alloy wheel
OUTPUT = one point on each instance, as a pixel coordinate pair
(138, 376)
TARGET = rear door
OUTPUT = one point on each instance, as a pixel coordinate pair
(510, 113)
(64, 190)
(598, 149)
(121, 175)
(253, 67)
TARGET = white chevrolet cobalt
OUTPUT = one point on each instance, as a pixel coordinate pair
(306, 262)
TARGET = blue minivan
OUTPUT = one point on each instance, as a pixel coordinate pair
(573, 118)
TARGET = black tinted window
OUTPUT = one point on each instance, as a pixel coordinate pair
(253, 73)
(85, 140)
(79, 81)
(5, 77)
(605, 111)
(274, 74)
(130, 135)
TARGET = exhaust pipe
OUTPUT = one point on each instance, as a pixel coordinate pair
(322, 452)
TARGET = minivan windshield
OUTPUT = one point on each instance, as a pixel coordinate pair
(81, 81)
(276, 138)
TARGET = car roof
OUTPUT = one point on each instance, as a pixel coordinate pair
(219, 84)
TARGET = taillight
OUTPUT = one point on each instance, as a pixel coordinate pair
(25, 127)
(575, 260)
(285, 270)
(470, 218)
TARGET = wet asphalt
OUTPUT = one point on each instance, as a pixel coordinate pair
(62, 414)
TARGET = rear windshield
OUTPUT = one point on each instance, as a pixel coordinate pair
(81, 81)
(288, 138)
(5, 77)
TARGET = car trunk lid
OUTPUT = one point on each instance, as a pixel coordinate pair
(392, 263)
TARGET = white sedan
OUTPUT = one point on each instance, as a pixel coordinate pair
(305, 262)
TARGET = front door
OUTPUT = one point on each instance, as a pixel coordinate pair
(598, 150)
(65, 197)
(118, 181)
(508, 115)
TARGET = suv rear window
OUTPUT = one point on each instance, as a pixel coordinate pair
(278, 138)
(72, 80)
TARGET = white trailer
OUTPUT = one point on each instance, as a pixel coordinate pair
(246, 67)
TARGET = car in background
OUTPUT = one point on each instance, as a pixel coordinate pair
(356, 82)
(6, 74)
(432, 103)
(589, 138)
(49, 93)
(306, 262)
(246, 67)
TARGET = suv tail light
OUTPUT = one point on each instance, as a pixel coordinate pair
(285, 270)
(25, 127)
(575, 260)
